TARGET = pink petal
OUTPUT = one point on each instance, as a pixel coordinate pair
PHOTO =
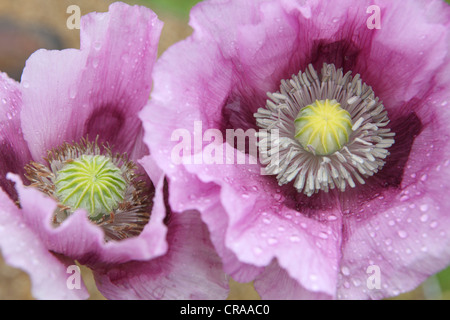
(22, 249)
(81, 240)
(261, 227)
(96, 90)
(404, 233)
(14, 152)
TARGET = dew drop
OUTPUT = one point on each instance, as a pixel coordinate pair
(313, 277)
(332, 218)
(356, 282)
(257, 250)
(402, 234)
(294, 238)
(424, 207)
(277, 196)
(323, 235)
(4, 101)
(424, 218)
(72, 93)
(433, 224)
(272, 241)
(26, 84)
(345, 271)
(97, 45)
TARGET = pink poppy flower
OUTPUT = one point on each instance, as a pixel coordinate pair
(352, 203)
(71, 172)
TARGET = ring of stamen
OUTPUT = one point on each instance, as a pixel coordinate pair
(83, 175)
(309, 168)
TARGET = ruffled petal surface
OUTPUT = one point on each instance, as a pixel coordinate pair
(14, 152)
(191, 269)
(80, 239)
(251, 46)
(96, 90)
(261, 227)
(21, 248)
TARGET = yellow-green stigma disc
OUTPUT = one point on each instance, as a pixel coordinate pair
(91, 182)
(323, 127)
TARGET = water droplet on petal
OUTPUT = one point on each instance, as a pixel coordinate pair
(26, 84)
(97, 45)
(345, 271)
(257, 250)
(323, 235)
(313, 277)
(424, 207)
(356, 282)
(402, 234)
(332, 218)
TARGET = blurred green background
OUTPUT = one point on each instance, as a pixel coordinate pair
(27, 25)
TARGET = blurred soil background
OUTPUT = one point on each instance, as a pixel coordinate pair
(28, 25)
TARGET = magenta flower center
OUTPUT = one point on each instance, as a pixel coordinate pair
(323, 131)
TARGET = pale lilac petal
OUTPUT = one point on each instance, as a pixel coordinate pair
(405, 233)
(96, 90)
(275, 284)
(191, 268)
(14, 152)
(80, 239)
(408, 58)
(252, 45)
(22, 248)
(261, 226)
